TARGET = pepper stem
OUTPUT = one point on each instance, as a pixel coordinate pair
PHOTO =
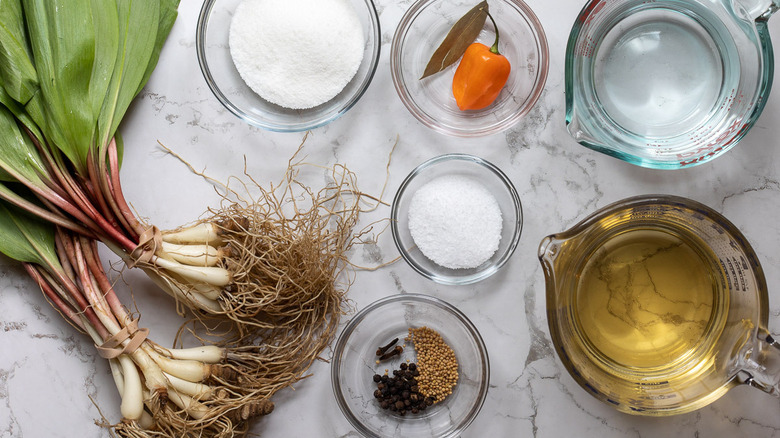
(494, 47)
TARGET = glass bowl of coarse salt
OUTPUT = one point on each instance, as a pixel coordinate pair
(456, 219)
(288, 65)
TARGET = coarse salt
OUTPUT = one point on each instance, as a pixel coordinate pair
(455, 222)
(296, 53)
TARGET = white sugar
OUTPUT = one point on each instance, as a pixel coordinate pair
(296, 53)
(455, 221)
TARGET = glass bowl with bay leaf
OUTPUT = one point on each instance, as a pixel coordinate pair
(428, 48)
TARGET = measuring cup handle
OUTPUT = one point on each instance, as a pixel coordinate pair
(761, 366)
(760, 9)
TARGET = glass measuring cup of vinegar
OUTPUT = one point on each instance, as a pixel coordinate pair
(657, 305)
(667, 83)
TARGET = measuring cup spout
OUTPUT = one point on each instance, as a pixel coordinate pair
(760, 365)
(758, 10)
(574, 124)
(549, 250)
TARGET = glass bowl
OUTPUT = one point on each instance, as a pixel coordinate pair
(354, 365)
(476, 169)
(422, 29)
(224, 81)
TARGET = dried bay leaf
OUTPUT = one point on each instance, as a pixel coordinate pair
(462, 34)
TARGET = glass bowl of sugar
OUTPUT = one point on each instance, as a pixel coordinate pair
(456, 219)
(288, 65)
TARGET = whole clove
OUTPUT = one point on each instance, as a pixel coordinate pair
(382, 350)
(394, 352)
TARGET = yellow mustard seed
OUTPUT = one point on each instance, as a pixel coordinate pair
(436, 362)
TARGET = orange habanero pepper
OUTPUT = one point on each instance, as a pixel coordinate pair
(480, 76)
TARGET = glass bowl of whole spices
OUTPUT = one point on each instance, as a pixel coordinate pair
(410, 365)
(288, 65)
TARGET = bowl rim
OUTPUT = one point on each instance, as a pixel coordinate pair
(341, 343)
(482, 274)
(200, 49)
(544, 65)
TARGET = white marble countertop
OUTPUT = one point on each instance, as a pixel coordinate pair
(51, 380)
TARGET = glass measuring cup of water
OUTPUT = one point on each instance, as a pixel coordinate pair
(658, 305)
(667, 83)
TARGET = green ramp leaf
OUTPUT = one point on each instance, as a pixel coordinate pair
(17, 72)
(26, 238)
(19, 159)
(138, 25)
(168, 15)
(74, 48)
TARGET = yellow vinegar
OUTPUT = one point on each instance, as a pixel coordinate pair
(646, 298)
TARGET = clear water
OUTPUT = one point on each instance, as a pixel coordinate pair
(659, 73)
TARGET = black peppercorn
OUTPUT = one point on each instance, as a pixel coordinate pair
(398, 391)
